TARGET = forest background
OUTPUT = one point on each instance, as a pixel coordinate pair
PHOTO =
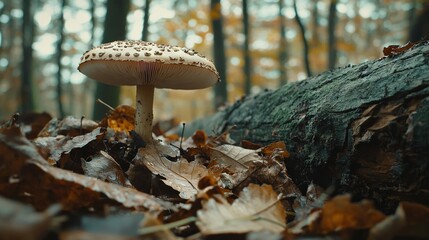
(255, 44)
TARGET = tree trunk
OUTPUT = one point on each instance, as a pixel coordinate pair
(304, 41)
(59, 56)
(363, 129)
(332, 22)
(27, 103)
(220, 92)
(115, 28)
(246, 50)
(145, 31)
(283, 49)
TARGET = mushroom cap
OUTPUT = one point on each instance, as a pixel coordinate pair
(134, 62)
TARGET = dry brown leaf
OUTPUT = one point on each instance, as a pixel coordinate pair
(105, 168)
(32, 123)
(411, 220)
(257, 209)
(199, 138)
(75, 142)
(70, 126)
(340, 214)
(122, 118)
(275, 148)
(23, 169)
(181, 175)
(234, 158)
(22, 222)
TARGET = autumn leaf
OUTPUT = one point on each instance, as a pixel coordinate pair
(105, 168)
(256, 209)
(19, 221)
(73, 143)
(122, 118)
(234, 158)
(411, 220)
(69, 126)
(340, 214)
(22, 163)
(181, 175)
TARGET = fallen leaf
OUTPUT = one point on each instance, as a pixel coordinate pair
(181, 175)
(22, 222)
(234, 158)
(256, 209)
(122, 118)
(32, 123)
(199, 138)
(23, 169)
(249, 145)
(411, 220)
(105, 168)
(276, 148)
(69, 126)
(393, 50)
(75, 142)
(340, 214)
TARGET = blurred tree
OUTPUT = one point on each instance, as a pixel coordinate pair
(59, 56)
(283, 49)
(332, 22)
(420, 28)
(27, 103)
(93, 22)
(145, 31)
(220, 91)
(304, 40)
(315, 16)
(246, 50)
(115, 25)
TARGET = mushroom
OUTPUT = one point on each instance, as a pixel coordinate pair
(147, 65)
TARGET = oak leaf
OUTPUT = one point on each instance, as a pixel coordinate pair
(181, 175)
(257, 208)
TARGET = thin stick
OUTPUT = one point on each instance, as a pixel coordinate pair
(167, 226)
(105, 104)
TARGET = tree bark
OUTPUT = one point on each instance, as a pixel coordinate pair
(363, 129)
(220, 91)
(115, 28)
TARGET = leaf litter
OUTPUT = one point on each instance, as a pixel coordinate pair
(103, 175)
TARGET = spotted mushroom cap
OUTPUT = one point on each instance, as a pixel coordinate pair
(134, 62)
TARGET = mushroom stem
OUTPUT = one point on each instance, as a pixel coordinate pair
(144, 112)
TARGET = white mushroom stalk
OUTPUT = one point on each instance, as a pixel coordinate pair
(144, 112)
(148, 66)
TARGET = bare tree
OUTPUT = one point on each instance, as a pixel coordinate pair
(246, 50)
(304, 40)
(27, 103)
(283, 50)
(220, 91)
(115, 28)
(332, 22)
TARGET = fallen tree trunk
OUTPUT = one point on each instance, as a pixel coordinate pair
(363, 129)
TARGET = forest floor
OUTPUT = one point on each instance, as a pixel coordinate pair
(79, 179)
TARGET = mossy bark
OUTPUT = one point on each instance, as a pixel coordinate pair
(363, 128)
